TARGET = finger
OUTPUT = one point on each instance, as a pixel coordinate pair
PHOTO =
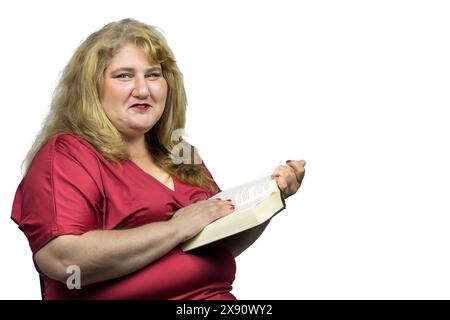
(289, 174)
(222, 206)
(282, 184)
(228, 208)
(286, 180)
(215, 204)
(301, 162)
(297, 165)
(287, 170)
(291, 179)
(219, 200)
(299, 168)
(279, 170)
(219, 212)
(225, 203)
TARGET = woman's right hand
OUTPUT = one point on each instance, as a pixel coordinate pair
(191, 219)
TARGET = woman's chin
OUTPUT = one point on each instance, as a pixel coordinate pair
(136, 131)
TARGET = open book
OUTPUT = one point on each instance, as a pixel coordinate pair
(255, 202)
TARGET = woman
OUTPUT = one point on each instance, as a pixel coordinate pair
(101, 193)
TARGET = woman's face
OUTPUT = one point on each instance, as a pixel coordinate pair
(134, 92)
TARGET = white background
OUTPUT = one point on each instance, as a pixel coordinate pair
(359, 89)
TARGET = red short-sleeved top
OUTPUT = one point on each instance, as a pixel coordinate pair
(70, 188)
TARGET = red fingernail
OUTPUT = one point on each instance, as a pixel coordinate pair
(229, 200)
(288, 161)
(276, 176)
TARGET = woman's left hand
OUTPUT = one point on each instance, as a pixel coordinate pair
(289, 177)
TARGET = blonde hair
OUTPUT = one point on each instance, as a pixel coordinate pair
(76, 106)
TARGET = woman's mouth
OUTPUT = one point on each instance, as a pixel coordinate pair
(140, 107)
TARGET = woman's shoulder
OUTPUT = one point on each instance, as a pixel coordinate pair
(67, 146)
(69, 142)
(63, 153)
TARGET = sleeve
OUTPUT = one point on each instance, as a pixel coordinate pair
(59, 194)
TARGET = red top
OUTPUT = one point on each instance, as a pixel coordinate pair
(70, 188)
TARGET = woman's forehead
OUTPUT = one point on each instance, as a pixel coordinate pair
(130, 56)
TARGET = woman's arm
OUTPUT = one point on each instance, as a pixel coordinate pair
(108, 254)
(238, 243)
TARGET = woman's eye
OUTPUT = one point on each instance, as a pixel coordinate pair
(124, 75)
(129, 75)
(154, 75)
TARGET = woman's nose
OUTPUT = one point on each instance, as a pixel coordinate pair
(141, 89)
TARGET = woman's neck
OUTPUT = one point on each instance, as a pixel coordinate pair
(137, 148)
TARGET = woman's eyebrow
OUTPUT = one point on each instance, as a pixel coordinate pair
(129, 69)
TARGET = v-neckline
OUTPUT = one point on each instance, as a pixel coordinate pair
(143, 172)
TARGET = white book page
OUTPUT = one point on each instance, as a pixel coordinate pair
(249, 194)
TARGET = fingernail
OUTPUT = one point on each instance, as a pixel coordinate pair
(276, 175)
(229, 200)
(288, 161)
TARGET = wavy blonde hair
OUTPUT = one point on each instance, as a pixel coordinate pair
(76, 106)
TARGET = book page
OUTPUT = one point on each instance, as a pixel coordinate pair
(249, 194)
